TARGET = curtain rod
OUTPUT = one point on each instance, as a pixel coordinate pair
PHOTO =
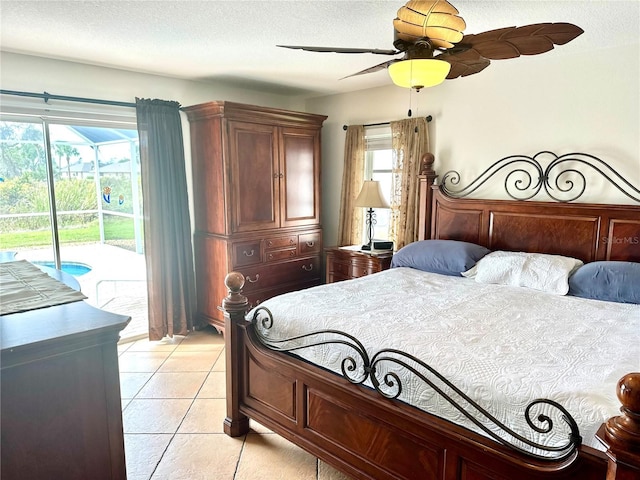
(428, 118)
(48, 96)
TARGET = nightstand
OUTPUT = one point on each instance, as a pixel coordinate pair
(344, 263)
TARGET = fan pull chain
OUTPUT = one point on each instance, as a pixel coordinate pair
(415, 129)
(410, 88)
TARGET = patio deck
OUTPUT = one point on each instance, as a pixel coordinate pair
(116, 283)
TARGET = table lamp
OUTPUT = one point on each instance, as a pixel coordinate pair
(370, 197)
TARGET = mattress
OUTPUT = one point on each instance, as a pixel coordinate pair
(503, 346)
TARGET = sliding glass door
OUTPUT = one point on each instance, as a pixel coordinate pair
(70, 199)
(25, 215)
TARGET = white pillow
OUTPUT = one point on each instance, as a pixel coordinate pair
(548, 273)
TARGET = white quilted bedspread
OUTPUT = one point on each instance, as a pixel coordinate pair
(503, 346)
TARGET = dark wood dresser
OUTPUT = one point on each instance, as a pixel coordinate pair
(256, 184)
(60, 394)
(345, 263)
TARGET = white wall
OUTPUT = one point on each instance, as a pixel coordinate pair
(37, 74)
(583, 103)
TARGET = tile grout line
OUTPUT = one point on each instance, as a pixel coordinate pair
(244, 441)
(136, 397)
(162, 456)
(173, 435)
(148, 380)
(193, 399)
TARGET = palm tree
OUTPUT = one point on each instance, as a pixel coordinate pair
(67, 152)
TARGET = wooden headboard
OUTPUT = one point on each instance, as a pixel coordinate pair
(589, 232)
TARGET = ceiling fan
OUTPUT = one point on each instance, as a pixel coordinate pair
(429, 35)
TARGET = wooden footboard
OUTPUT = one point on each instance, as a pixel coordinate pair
(367, 436)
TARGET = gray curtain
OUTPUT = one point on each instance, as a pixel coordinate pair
(167, 226)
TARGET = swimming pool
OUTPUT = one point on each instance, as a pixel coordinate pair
(73, 268)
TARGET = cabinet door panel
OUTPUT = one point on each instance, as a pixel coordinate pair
(300, 160)
(255, 180)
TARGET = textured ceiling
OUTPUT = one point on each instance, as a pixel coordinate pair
(234, 41)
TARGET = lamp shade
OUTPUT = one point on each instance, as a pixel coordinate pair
(419, 73)
(371, 196)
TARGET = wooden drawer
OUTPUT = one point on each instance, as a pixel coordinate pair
(256, 298)
(277, 274)
(360, 269)
(246, 253)
(346, 263)
(340, 269)
(309, 243)
(282, 254)
(281, 242)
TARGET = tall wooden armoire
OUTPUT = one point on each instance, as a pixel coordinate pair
(256, 184)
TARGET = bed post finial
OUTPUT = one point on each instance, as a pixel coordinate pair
(234, 301)
(235, 306)
(621, 435)
(426, 179)
(426, 166)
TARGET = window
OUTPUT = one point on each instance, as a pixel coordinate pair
(70, 198)
(378, 166)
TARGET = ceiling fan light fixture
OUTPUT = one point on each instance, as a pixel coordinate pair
(419, 73)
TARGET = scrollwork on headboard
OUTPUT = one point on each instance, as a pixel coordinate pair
(561, 182)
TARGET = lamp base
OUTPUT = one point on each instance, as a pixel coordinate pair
(366, 247)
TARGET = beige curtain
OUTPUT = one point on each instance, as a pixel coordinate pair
(410, 140)
(167, 227)
(350, 226)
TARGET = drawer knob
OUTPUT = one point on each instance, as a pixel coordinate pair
(291, 241)
(270, 243)
(307, 268)
(249, 254)
(253, 280)
(292, 253)
(310, 244)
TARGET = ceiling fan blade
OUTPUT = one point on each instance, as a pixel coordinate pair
(341, 50)
(438, 20)
(560, 33)
(511, 42)
(375, 68)
(464, 63)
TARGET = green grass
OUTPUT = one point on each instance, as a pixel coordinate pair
(114, 229)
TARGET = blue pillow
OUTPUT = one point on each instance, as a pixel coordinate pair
(447, 257)
(610, 281)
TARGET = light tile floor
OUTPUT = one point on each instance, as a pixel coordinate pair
(173, 401)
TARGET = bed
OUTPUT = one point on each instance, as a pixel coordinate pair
(332, 390)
